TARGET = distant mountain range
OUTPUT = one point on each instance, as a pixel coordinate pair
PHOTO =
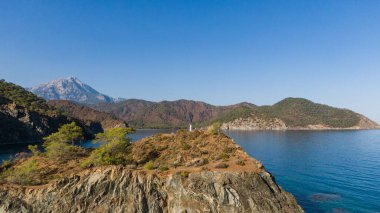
(87, 114)
(290, 113)
(70, 89)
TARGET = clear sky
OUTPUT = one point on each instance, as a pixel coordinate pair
(221, 52)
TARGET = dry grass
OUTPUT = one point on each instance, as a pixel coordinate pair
(197, 150)
(162, 154)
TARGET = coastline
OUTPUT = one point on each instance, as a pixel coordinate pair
(301, 129)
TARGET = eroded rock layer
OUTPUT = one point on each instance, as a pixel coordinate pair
(116, 189)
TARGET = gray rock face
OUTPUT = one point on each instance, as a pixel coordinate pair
(18, 124)
(70, 89)
(116, 189)
(254, 123)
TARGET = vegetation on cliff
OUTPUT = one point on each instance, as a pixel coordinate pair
(183, 172)
(13, 93)
(26, 118)
(182, 152)
(114, 148)
(60, 156)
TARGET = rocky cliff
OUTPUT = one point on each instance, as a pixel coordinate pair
(254, 123)
(187, 172)
(116, 189)
(24, 117)
(18, 124)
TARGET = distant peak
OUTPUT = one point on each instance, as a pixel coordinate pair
(294, 99)
(70, 88)
(72, 78)
(64, 79)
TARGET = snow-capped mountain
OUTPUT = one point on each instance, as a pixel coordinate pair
(70, 89)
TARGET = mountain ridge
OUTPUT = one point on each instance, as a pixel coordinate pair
(87, 114)
(289, 113)
(70, 88)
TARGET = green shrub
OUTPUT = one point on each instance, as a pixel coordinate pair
(149, 165)
(24, 174)
(214, 129)
(228, 150)
(184, 174)
(114, 149)
(240, 162)
(59, 145)
(185, 146)
(34, 149)
(6, 164)
(224, 156)
(68, 133)
(163, 168)
(62, 152)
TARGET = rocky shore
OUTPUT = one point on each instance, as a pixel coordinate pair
(254, 123)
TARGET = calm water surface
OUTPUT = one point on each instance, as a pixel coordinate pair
(327, 171)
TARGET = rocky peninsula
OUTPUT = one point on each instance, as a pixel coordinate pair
(195, 171)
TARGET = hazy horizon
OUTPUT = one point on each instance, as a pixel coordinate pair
(219, 52)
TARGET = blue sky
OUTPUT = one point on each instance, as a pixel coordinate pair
(221, 52)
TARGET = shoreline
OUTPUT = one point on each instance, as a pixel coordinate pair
(287, 129)
(242, 130)
(302, 129)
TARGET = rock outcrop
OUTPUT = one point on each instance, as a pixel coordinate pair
(254, 123)
(189, 172)
(21, 125)
(116, 189)
(366, 123)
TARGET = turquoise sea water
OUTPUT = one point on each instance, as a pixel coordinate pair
(327, 171)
